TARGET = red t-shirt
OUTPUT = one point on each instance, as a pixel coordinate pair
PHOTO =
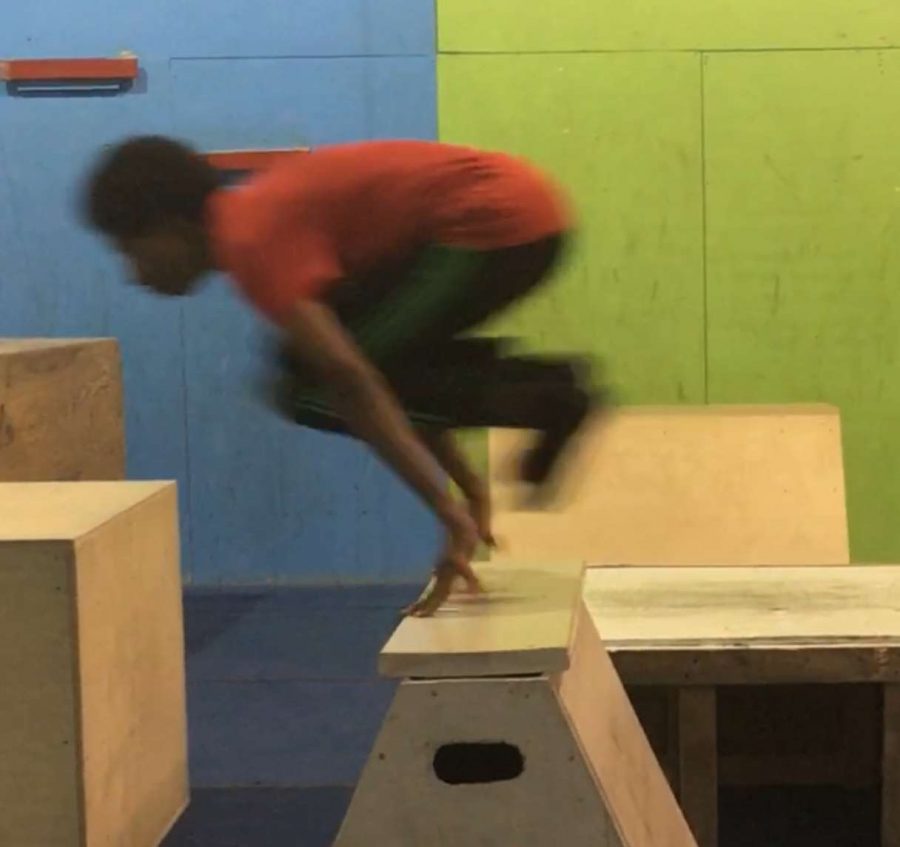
(321, 217)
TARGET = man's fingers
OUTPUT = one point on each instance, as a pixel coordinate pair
(435, 595)
(441, 587)
(429, 604)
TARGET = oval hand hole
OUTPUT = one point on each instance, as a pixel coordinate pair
(473, 764)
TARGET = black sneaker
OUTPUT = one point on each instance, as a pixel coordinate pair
(540, 462)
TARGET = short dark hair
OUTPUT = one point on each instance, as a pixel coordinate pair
(144, 182)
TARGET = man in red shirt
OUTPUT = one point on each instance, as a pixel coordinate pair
(374, 261)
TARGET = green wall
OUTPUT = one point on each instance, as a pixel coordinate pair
(738, 196)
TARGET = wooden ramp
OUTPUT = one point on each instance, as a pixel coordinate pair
(742, 485)
(510, 727)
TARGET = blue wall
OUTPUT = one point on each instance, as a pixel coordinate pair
(261, 501)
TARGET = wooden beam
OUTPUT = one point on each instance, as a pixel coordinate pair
(638, 795)
(835, 664)
(890, 777)
(698, 771)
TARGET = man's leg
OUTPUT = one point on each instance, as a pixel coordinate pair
(415, 330)
(550, 395)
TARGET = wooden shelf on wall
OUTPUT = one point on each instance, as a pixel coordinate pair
(250, 160)
(123, 68)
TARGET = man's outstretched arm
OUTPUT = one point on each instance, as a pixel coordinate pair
(360, 394)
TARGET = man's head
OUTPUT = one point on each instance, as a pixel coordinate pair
(149, 196)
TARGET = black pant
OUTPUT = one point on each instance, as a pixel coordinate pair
(415, 322)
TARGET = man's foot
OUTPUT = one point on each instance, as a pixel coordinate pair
(541, 461)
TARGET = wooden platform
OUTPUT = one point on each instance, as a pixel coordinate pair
(827, 635)
(521, 625)
(516, 730)
(741, 625)
(689, 485)
(93, 737)
(61, 415)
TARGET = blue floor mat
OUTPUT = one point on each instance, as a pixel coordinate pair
(283, 733)
(254, 817)
(209, 613)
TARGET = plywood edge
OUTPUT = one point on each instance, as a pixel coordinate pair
(176, 816)
(78, 695)
(472, 665)
(742, 665)
(614, 743)
(165, 489)
(145, 490)
(152, 490)
(16, 346)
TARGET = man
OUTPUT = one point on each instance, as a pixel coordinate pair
(374, 262)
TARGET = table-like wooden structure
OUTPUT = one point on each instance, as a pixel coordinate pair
(701, 632)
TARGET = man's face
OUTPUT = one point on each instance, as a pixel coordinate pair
(170, 260)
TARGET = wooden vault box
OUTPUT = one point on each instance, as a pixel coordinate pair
(61, 410)
(510, 727)
(92, 702)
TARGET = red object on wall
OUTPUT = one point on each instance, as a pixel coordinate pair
(37, 70)
(250, 160)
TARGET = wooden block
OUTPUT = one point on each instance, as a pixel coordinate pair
(527, 760)
(690, 486)
(698, 762)
(890, 791)
(92, 706)
(61, 412)
(522, 624)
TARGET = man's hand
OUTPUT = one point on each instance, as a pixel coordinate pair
(455, 561)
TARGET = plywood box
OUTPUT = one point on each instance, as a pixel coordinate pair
(61, 410)
(92, 702)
